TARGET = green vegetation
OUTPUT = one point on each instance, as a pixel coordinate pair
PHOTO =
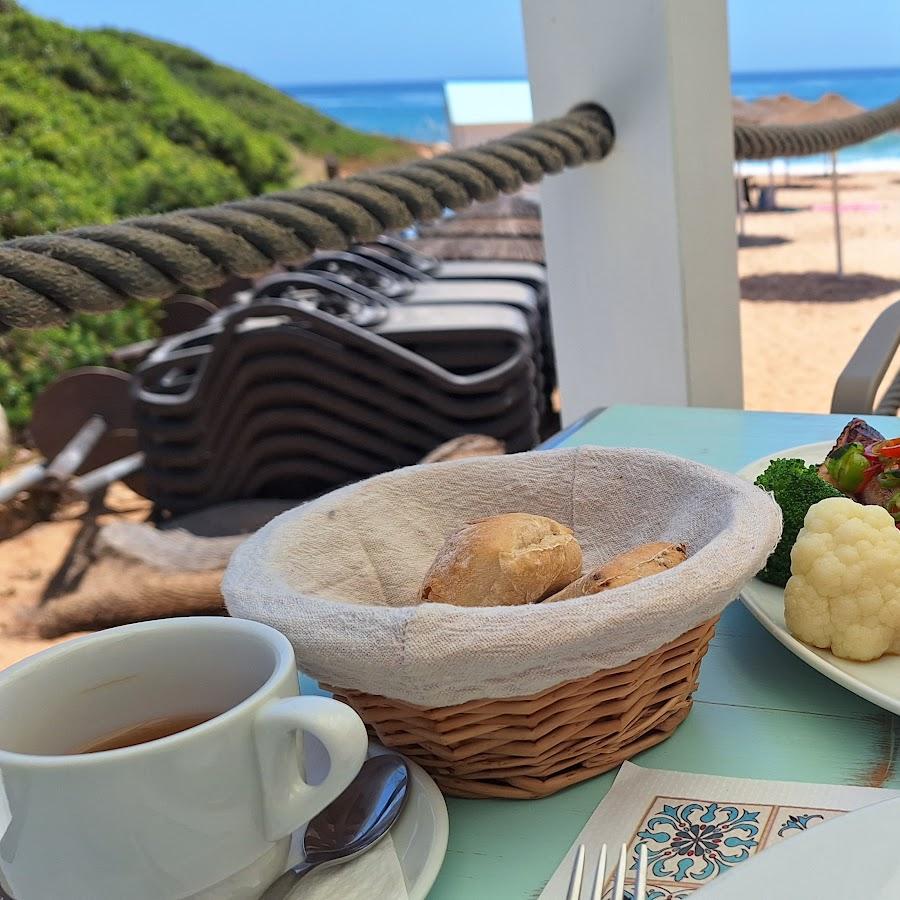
(796, 487)
(29, 360)
(269, 109)
(96, 126)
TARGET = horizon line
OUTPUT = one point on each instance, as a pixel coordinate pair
(744, 73)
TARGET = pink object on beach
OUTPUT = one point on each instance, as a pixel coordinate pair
(848, 207)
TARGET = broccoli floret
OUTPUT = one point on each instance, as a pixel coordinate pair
(796, 487)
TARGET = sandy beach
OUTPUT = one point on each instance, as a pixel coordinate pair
(800, 323)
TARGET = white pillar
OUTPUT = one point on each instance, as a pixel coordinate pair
(641, 246)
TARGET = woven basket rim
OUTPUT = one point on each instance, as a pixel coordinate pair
(696, 563)
(327, 633)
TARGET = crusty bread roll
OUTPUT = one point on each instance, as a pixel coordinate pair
(502, 561)
(464, 447)
(634, 564)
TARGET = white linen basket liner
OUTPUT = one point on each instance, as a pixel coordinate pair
(340, 575)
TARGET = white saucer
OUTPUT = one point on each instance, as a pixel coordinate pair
(419, 835)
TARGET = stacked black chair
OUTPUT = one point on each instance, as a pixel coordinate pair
(291, 397)
(387, 248)
(461, 336)
(406, 280)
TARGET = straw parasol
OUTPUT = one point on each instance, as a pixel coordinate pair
(775, 111)
(517, 249)
(769, 110)
(745, 111)
(829, 106)
(802, 112)
(506, 228)
(506, 206)
(763, 110)
(742, 111)
(461, 226)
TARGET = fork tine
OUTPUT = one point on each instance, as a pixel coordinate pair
(599, 875)
(577, 874)
(640, 883)
(619, 888)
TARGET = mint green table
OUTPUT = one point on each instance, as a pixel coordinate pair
(759, 711)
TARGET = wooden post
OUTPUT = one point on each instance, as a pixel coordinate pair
(641, 246)
(835, 200)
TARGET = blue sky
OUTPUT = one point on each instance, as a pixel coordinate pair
(296, 41)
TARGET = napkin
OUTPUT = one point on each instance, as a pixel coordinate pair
(376, 875)
(696, 827)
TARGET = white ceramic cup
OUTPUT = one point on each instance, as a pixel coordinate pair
(204, 813)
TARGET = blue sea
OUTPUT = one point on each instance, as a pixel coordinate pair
(416, 111)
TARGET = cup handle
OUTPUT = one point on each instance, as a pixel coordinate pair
(288, 800)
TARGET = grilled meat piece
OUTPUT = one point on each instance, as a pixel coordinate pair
(875, 494)
(824, 474)
(856, 431)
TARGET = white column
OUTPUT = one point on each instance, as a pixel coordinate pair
(641, 246)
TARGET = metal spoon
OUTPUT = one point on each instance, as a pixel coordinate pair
(355, 822)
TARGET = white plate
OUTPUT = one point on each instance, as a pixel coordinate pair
(879, 680)
(419, 835)
(847, 857)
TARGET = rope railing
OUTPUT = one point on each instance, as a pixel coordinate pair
(44, 279)
(774, 141)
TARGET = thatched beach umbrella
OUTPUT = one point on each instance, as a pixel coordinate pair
(506, 206)
(743, 111)
(778, 110)
(465, 226)
(763, 110)
(770, 110)
(515, 216)
(829, 106)
(518, 249)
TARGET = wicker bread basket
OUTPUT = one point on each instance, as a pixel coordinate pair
(527, 747)
(518, 701)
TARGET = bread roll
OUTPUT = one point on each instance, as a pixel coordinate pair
(502, 561)
(464, 447)
(634, 564)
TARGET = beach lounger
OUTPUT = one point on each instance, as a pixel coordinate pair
(857, 387)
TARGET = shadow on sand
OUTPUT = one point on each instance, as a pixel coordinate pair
(762, 240)
(816, 286)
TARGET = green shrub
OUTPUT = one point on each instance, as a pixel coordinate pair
(30, 360)
(100, 125)
(268, 108)
(171, 177)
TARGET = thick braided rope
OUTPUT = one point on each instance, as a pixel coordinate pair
(771, 141)
(46, 278)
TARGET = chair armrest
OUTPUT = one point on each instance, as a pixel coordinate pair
(854, 391)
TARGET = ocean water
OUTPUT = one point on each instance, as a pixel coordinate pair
(416, 111)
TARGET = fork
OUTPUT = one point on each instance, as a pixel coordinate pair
(576, 883)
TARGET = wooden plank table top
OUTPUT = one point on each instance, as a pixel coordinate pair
(759, 711)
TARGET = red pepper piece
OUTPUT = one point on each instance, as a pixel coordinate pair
(870, 473)
(886, 449)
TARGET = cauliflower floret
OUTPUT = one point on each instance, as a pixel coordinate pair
(844, 589)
